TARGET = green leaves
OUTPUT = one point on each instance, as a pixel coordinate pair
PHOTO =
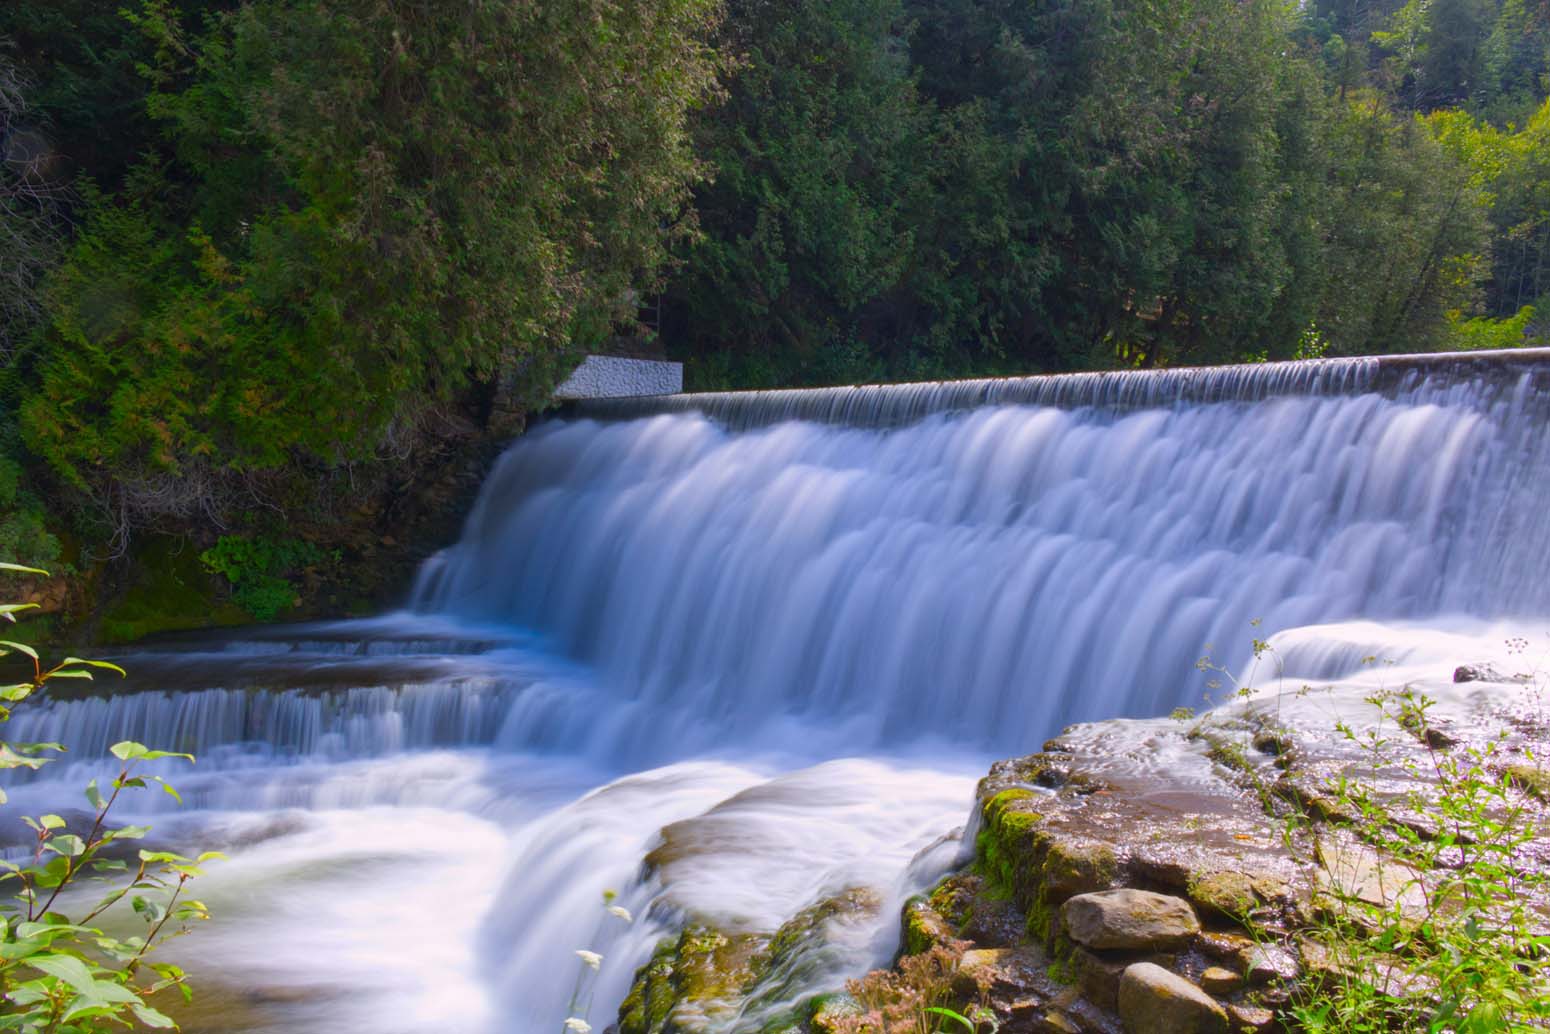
(9, 647)
(22, 570)
(69, 662)
(957, 1017)
(60, 973)
(1451, 860)
(299, 243)
(24, 755)
(8, 611)
(128, 750)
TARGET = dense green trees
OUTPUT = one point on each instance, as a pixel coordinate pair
(816, 152)
(343, 213)
(925, 188)
(253, 243)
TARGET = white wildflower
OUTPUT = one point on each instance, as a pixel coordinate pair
(591, 958)
(578, 1025)
(621, 912)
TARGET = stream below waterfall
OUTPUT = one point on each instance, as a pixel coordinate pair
(781, 648)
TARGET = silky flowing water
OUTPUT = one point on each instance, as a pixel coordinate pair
(791, 630)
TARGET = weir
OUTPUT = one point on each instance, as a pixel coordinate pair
(882, 405)
(989, 560)
(791, 629)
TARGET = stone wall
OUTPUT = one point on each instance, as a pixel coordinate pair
(608, 377)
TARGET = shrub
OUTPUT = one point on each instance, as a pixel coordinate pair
(258, 570)
(24, 532)
(59, 973)
(1452, 943)
(1423, 908)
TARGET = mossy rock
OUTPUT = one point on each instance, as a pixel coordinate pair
(801, 950)
(653, 994)
(1531, 779)
(1073, 866)
(1224, 895)
(825, 1011)
(924, 927)
(1004, 844)
(953, 898)
(169, 591)
(703, 976)
(699, 973)
(807, 925)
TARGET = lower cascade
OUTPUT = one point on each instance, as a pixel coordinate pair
(742, 667)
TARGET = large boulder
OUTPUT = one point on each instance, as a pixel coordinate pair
(1129, 920)
(1153, 1000)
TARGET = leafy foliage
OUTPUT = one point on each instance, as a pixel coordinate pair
(348, 213)
(24, 530)
(275, 244)
(1453, 942)
(258, 569)
(916, 189)
(60, 972)
(1424, 852)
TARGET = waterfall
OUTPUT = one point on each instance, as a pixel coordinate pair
(990, 574)
(784, 632)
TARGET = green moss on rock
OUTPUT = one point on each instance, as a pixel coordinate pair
(924, 926)
(1227, 895)
(1531, 779)
(690, 975)
(704, 975)
(1074, 867)
(825, 1011)
(652, 996)
(169, 592)
(1003, 844)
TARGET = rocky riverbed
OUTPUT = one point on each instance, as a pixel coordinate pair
(1178, 875)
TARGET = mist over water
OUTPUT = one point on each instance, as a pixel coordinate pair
(791, 629)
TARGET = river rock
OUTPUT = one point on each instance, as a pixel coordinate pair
(1350, 869)
(1268, 962)
(1251, 1018)
(1229, 895)
(924, 927)
(1153, 1000)
(1129, 920)
(1220, 981)
(1097, 977)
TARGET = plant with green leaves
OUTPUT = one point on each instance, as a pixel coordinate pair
(259, 570)
(916, 998)
(62, 969)
(1450, 941)
(1423, 911)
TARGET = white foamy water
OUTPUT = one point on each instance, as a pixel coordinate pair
(785, 649)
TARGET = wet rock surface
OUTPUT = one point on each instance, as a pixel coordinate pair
(1140, 877)
(1129, 920)
(1154, 1000)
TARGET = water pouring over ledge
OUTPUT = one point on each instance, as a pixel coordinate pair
(990, 574)
(684, 614)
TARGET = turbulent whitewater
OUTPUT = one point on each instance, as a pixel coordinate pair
(792, 627)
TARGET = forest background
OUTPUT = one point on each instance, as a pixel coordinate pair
(279, 275)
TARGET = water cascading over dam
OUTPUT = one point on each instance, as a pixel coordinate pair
(790, 628)
(989, 560)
